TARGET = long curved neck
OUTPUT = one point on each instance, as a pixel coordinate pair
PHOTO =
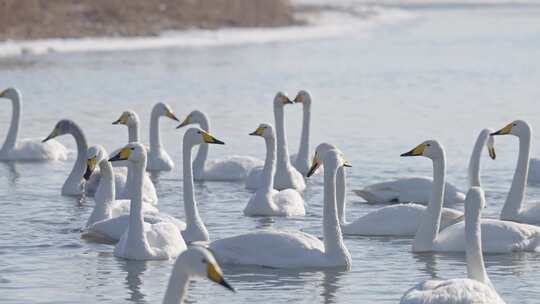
(106, 191)
(136, 236)
(155, 140)
(269, 170)
(474, 162)
(473, 250)
(333, 239)
(429, 226)
(341, 188)
(282, 151)
(133, 132)
(516, 195)
(177, 288)
(11, 138)
(195, 225)
(202, 153)
(303, 150)
(76, 175)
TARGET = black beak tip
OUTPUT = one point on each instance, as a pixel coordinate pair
(227, 285)
(219, 142)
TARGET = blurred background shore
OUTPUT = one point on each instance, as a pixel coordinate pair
(39, 19)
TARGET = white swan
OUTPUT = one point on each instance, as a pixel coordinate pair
(194, 262)
(398, 219)
(418, 189)
(476, 288)
(143, 241)
(301, 159)
(497, 236)
(106, 206)
(286, 175)
(93, 177)
(232, 168)
(131, 120)
(514, 208)
(295, 249)
(26, 149)
(195, 230)
(267, 201)
(158, 158)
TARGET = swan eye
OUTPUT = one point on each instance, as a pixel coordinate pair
(429, 145)
(132, 149)
(513, 125)
(203, 261)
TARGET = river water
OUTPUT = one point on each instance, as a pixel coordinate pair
(444, 72)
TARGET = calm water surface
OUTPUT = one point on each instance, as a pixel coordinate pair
(445, 74)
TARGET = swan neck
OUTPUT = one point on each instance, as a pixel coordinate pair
(106, 191)
(333, 239)
(11, 139)
(177, 288)
(136, 229)
(155, 140)
(303, 150)
(76, 175)
(269, 169)
(473, 242)
(133, 132)
(428, 229)
(282, 151)
(474, 162)
(341, 188)
(202, 153)
(516, 195)
(194, 222)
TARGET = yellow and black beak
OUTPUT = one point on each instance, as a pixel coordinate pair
(90, 167)
(122, 155)
(53, 134)
(491, 151)
(417, 151)
(504, 131)
(315, 164)
(209, 139)
(123, 120)
(298, 99)
(258, 132)
(3, 93)
(287, 100)
(186, 122)
(215, 276)
(347, 164)
(171, 115)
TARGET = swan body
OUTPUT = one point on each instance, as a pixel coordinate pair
(476, 288)
(514, 208)
(418, 189)
(14, 149)
(131, 120)
(194, 262)
(284, 249)
(497, 236)
(301, 160)
(267, 201)
(397, 220)
(142, 241)
(231, 168)
(158, 158)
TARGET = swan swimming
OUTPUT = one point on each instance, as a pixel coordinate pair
(196, 261)
(418, 189)
(514, 208)
(286, 174)
(131, 120)
(293, 249)
(301, 159)
(232, 168)
(26, 149)
(267, 201)
(476, 288)
(497, 236)
(144, 241)
(398, 220)
(158, 158)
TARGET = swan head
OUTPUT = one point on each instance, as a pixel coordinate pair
(516, 128)
(281, 99)
(430, 148)
(94, 156)
(196, 136)
(318, 157)
(475, 200)
(134, 152)
(164, 109)
(303, 97)
(128, 118)
(334, 159)
(485, 134)
(264, 130)
(200, 262)
(62, 127)
(11, 94)
(195, 117)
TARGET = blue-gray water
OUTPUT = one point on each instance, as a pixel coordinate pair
(444, 74)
